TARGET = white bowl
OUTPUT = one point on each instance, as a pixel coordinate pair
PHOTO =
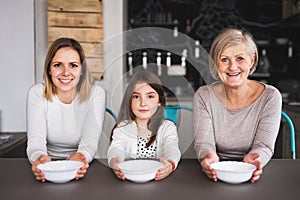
(140, 171)
(233, 172)
(60, 171)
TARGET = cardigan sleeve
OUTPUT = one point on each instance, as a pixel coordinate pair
(170, 142)
(117, 146)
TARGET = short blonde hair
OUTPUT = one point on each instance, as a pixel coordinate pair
(229, 37)
(85, 82)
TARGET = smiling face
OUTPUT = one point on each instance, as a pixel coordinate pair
(234, 65)
(65, 70)
(144, 103)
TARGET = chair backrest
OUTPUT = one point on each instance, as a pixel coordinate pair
(184, 128)
(111, 113)
(104, 141)
(292, 133)
(171, 112)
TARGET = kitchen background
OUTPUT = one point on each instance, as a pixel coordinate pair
(275, 24)
(271, 22)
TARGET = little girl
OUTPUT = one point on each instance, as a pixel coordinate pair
(141, 132)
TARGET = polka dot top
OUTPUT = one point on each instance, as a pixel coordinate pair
(146, 152)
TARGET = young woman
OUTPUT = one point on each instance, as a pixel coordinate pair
(141, 131)
(65, 113)
(235, 118)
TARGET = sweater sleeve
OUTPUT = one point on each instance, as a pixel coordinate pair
(268, 127)
(202, 123)
(93, 124)
(117, 146)
(170, 148)
(36, 123)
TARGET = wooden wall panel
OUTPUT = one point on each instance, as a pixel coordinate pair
(93, 50)
(75, 5)
(95, 68)
(93, 64)
(90, 49)
(80, 34)
(87, 20)
(83, 21)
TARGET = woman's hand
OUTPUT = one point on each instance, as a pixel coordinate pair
(80, 157)
(252, 158)
(210, 158)
(114, 165)
(39, 175)
(166, 170)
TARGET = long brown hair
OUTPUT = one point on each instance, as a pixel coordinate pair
(126, 113)
(85, 82)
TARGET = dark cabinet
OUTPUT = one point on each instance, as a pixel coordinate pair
(275, 28)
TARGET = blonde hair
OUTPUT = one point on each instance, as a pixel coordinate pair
(229, 37)
(85, 82)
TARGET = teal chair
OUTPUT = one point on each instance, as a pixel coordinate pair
(292, 134)
(108, 110)
(171, 112)
(181, 120)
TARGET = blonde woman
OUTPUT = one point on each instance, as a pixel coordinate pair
(65, 113)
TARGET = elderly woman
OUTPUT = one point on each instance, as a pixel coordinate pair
(235, 118)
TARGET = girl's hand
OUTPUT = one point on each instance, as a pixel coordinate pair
(210, 158)
(39, 175)
(252, 158)
(80, 157)
(166, 170)
(114, 165)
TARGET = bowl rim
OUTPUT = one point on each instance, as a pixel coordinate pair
(252, 167)
(75, 167)
(159, 165)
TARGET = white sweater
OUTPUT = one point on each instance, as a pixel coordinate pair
(124, 143)
(58, 130)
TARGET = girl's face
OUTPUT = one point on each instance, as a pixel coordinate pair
(234, 65)
(65, 70)
(145, 101)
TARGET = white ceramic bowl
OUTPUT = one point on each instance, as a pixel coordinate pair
(60, 171)
(233, 172)
(140, 171)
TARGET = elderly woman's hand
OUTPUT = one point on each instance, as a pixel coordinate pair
(37, 172)
(210, 158)
(252, 158)
(80, 157)
(114, 165)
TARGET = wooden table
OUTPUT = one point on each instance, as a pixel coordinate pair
(281, 180)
